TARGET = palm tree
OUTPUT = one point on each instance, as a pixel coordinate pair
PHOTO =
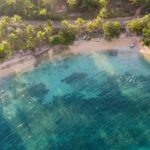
(16, 20)
(98, 23)
(48, 29)
(40, 37)
(30, 37)
(80, 24)
(12, 3)
(12, 40)
(4, 22)
(5, 49)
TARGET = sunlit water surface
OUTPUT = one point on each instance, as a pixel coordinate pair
(85, 102)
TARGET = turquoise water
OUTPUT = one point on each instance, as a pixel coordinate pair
(85, 102)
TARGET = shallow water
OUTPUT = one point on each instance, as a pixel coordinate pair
(85, 102)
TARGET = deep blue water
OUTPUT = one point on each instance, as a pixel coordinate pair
(85, 102)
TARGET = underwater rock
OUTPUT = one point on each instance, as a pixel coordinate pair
(112, 52)
(38, 90)
(23, 117)
(75, 77)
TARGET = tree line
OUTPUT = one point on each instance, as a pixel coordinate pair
(43, 9)
(15, 38)
(29, 9)
(141, 27)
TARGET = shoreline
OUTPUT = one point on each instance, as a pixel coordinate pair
(96, 45)
(28, 62)
(17, 65)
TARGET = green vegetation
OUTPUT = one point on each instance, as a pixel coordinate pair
(64, 37)
(5, 49)
(30, 37)
(111, 30)
(141, 27)
(16, 38)
(136, 26)
(47, 9)
(86, 4)
(30, 9)
(138, 2)
(146, 36)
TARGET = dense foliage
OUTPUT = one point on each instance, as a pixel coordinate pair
(140, 1)
(31, 9)
(111, 30)
(86, 4)
(45, 9)
(146, 36)
(64, 37)
(29, 37)
(141, 26)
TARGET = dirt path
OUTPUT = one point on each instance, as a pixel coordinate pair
(138, 11)
(57, 24)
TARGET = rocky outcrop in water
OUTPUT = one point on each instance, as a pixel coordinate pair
(38, 91)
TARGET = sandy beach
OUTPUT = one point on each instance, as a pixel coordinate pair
(17, 65)
(28, 62)
(95, 45)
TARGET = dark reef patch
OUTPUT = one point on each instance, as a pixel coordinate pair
(38, 90)
(24, 118)
(74, 78)
(112, 52)
(96, 123)
(9, 139)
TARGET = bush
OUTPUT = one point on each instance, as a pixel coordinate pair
(67, 36)
(4, 49)
(136, 26)
(85, 4)
(111, 30)
(146, 36)
(55, 40)
(64, 37)
(141, 27)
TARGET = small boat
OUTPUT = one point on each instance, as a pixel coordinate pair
(132, 45)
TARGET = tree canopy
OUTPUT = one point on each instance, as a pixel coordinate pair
(140, 1)
(29, 37)
(141, 26)
(88, 4)
(111, 30)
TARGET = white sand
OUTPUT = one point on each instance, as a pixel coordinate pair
(27, 62)
(123, 43)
